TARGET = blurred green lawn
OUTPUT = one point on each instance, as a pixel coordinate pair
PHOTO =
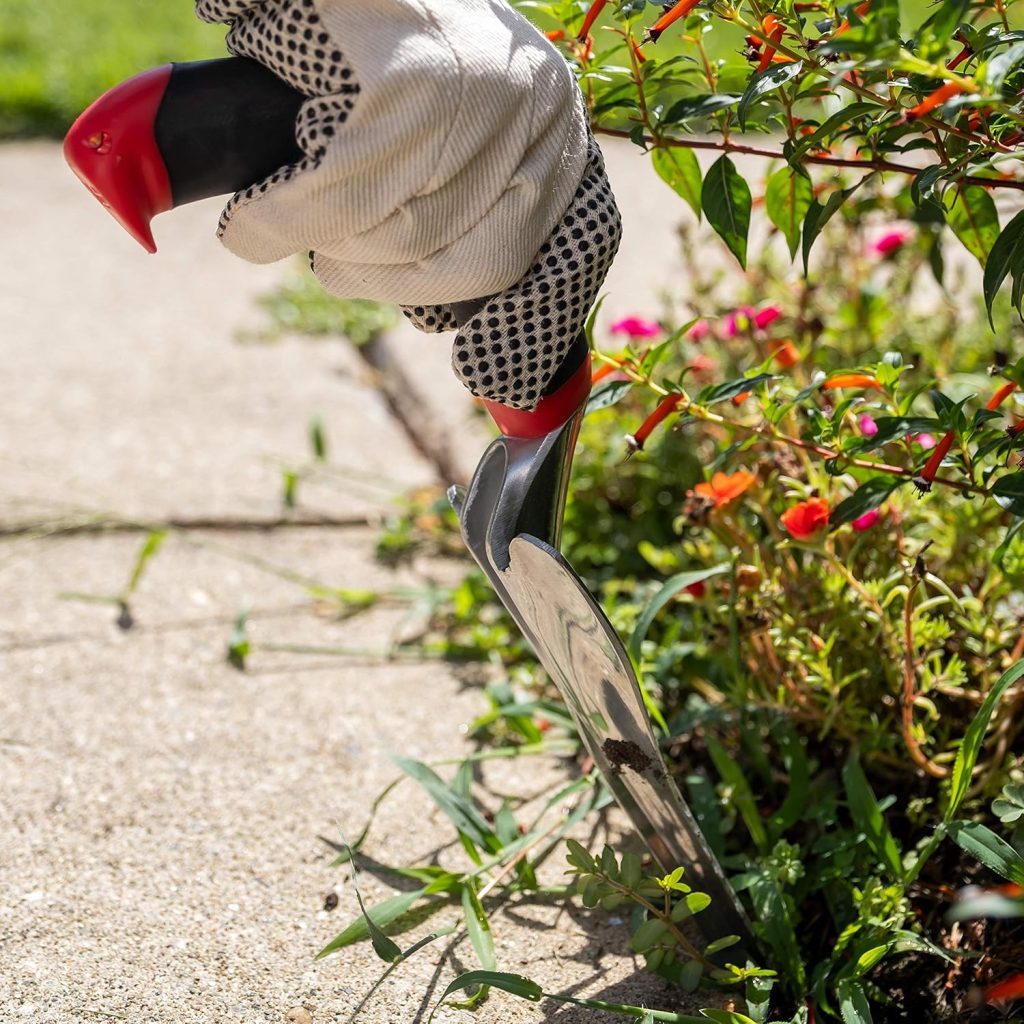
(57, 56)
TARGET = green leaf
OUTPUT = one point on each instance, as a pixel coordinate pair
(515, 984)
(763, 82)
(775, 924)
(727, 1017)
(726, 201)
(867, 816)
(679, 169)
(853, 1004)
(690, 974)
(239, 647)
(982, 843)
(868, 496)
(478, 927)
(150, 546)
(934, 35)
(381, 915)
(732, 388)
(742, 797)
(1008, 491)
(967, 755)
(387, 949)
(1006, 257)
(725, 942)
(318, 439)
(605, 397)
(787, 199)
(692, 107)
(798, 784)
(974, 220)
(668, 590)
(1002, 64)
(818, 215)
(649, 934)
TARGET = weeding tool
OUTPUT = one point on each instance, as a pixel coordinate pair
(190, 131)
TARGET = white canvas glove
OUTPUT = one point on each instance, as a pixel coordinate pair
(447, 159)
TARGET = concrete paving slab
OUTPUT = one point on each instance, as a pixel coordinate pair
(159, 821)
(123, 385)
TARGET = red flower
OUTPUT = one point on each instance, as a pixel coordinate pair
(725, 488)
(806, 518)
(697, 589)
(785, 352)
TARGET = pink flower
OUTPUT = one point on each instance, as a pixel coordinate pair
(766, 316)
(868, 427)
(699, 331)
(636, 327)
(866, 521)
(891, 241)
(926, 441)
(738, 320)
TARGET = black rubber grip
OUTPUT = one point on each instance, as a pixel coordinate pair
(224, 125)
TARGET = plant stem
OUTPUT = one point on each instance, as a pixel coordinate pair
(877, 164)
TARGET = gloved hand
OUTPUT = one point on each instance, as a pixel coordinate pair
(447, 159)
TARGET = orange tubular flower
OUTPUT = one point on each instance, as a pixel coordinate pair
(861, 10)
(681, 10)
(725, 488)
(935, 99)
(588, 22)
(555, 36)
(606, 370)
(963, 55)
(1001, 396)
(666, 407)
(637, 51)
(773, 31)
(924, 482)
(1005, 990)
(851, 380)
(786, 354)
(806, 518)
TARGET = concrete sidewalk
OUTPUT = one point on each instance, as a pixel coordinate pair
(160, 812)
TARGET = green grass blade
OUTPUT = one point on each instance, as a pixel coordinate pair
(382, 915)
(478, 928)
(867, 816)
(967, 755)
(460, 810)
(669, 589)
(981, 842)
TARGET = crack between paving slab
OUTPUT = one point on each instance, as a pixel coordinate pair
(48, 528)
(396, 387)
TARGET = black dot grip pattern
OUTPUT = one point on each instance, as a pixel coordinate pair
(511, 350)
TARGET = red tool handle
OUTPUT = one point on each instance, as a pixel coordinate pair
(184, 132)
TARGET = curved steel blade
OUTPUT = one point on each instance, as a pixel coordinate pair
(582, 653)
(518, 492)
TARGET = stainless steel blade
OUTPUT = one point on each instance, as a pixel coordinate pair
(582, 653)
(518, 491)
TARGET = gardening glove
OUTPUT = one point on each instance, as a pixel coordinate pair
(448, 167)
